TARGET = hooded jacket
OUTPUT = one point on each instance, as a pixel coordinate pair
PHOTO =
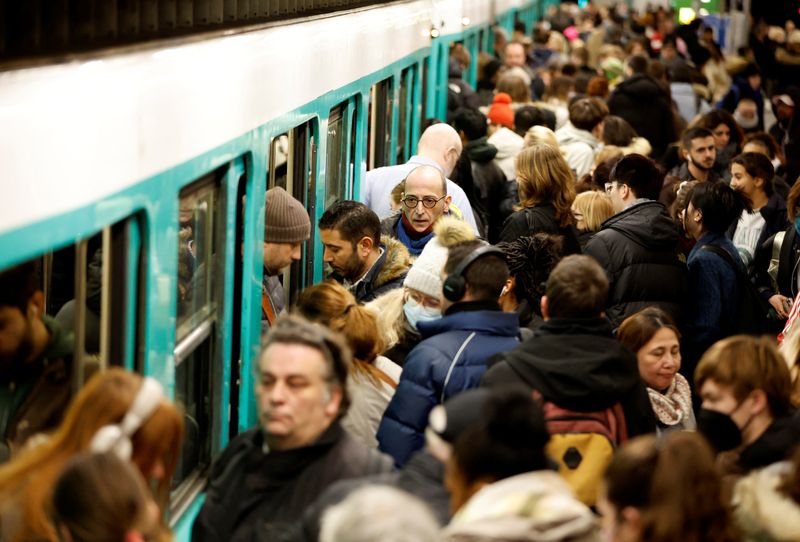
(536, 505)
(638, 248)
(508, 144)
(387, 274)
(645, 104)
(578, 146)
(451, 358)
(577, 364)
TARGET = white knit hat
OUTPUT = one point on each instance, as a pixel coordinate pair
(425, 273)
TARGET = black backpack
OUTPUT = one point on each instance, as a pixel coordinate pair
(756, 316)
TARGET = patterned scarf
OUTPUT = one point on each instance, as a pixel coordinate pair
(674, 405)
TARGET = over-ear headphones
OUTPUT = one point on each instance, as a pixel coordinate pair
(117, 438)
(455, 285)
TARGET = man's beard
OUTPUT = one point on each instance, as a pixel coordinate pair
(353, 268)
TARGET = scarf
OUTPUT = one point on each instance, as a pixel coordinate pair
(674, 405)
(413, 245)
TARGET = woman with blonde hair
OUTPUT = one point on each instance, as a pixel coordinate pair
(373, 378)
(546, 189)
(540, 135)
(97, 419)
(591, 209)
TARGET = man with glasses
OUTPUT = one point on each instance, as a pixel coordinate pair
(424, 200)
(439, 147)
(638, 246)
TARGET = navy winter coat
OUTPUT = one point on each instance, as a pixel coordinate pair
(451, 358)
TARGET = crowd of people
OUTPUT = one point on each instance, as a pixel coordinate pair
(571, 316)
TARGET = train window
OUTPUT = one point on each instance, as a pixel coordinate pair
(293, 166)
(337, 166)
(404, 115)
(198, 298)
(380, 124)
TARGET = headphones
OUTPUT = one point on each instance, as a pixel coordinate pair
(455, 285)
(116, 438)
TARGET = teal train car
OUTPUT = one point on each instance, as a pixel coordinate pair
(111, 159)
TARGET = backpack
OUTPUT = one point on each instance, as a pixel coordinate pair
(582, 444)
(754, 317)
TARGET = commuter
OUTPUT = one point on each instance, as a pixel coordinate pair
(102, 498)
(372, 378)
(645, 104)
(502, 135)
(662, 490)
(747, 413)
(577, 367)
(35, 361)
(546, 191)
(617, 132)
(728, 138)
(699, 156)
(591, 209)
(752, 176)
(528, 116)
(399, 311)
(653, 336)
(286, 228)
(746, 85)
(514, 57)
(530, 260)
(425, 201)
(454, 349)
(367, 264)
(116, 411)
(766, 503)
(763, 143)
(489, 180)
(267, 476)
(581, 136)
(501, 486)
(439, 147)
(690, 103)
(714, 289)
(638, 246)
(786, 130)
(379, 512)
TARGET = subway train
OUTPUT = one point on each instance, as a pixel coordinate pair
(136, 175)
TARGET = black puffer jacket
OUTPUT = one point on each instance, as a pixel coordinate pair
(540, 219)
(577, 364)
(647, 107)
(638, 248)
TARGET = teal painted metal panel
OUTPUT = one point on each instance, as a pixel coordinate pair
(183, 527)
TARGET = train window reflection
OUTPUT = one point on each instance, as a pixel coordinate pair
(336, 158)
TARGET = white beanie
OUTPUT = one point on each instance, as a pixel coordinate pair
(425, 273)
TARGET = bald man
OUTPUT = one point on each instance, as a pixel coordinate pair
(439, 147)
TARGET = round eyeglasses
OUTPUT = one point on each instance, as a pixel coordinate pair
(429, 202)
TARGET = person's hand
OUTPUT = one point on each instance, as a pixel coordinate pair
(781, 304)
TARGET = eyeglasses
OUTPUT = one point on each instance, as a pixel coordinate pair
(423, 300)
(429, 202)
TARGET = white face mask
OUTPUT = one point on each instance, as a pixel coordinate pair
(419, 313)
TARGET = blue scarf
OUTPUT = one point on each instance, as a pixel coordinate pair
(414, 246)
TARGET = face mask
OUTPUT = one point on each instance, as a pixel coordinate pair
(721, 431)
(419, 313)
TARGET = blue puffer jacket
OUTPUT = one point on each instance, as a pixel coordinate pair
(451, 358)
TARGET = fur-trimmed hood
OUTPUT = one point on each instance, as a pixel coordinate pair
(396, 264)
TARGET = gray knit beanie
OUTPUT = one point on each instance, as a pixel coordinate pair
(286, 219)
